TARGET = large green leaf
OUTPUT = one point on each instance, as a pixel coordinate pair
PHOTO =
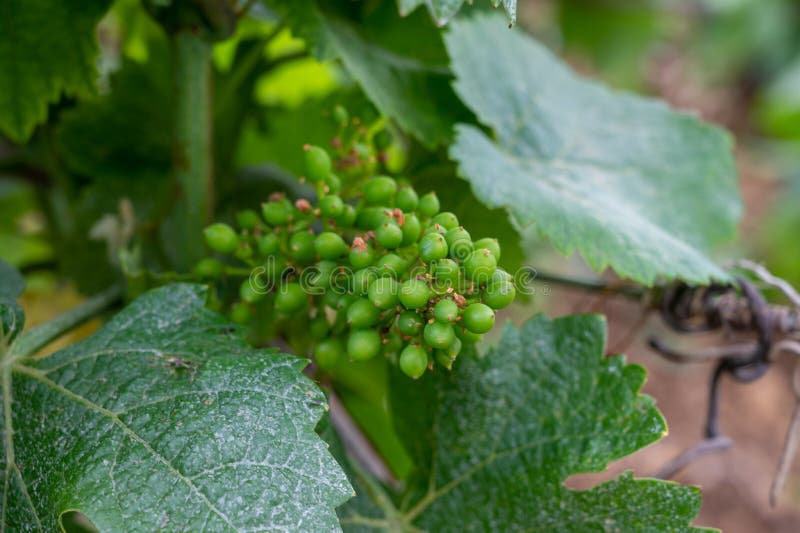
(443, 10)
(165, 419)
(400, 78)
(46, 47)
(621, 179)
(495, 440)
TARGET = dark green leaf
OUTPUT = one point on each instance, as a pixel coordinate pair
(47, 47)
(165, 419)
(621, 179)
(497, 437)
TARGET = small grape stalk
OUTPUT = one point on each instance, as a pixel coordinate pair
(379, 270)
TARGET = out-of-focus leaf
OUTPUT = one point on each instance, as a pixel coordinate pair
(46, 48)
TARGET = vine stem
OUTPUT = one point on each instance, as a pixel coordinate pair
(37, 338)
(192, 147)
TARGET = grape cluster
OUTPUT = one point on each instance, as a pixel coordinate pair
(378, 269)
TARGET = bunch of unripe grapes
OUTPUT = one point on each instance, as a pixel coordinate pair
(379, 270)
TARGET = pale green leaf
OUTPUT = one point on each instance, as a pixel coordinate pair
(166, 419)
(621, 179)
(47, 47)
(495, 440)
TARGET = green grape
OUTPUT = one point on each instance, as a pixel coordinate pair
(362, 314)
(248, 294)
(445, 311)
(436, 228)
(460, 247)
(240, 312)
(428, 205)
(373, 217)
(443, 359)
(383, 293)
(499, 294)
(324, 272)
(438, 335)
(290, 298)
(414, 293)
(340, 115)
(411, 230)
(478, 318)
(501, 275)
(467, 336)
(221, 238)
(345, 301)
(329, 245)
(319, 327)
(208, 268)
(432, 247)
(447, 220)
(348, 216)
(456, 234)
(277, 212)
(379, 190)
(318, 163)
(479, 266)
(334, 183)
(406, 199)
(301, 246)
(363, 278)
(328, 353)
(244, 251)
(413, 361)
(363, 344)
(391, 265)
(331, 206)
(389, 236)
(247, 219)
(410, 323)
(490, 244)
(453, 350)
(446, 272)
(361, 254)
(268, 244)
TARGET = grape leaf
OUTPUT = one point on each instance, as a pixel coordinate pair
(46, 48)
(497, 437)
(166, 419)
(405, 86)
(622, 179)
(443, 10)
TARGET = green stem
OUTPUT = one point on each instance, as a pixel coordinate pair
(37, 338)
(192, 149)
